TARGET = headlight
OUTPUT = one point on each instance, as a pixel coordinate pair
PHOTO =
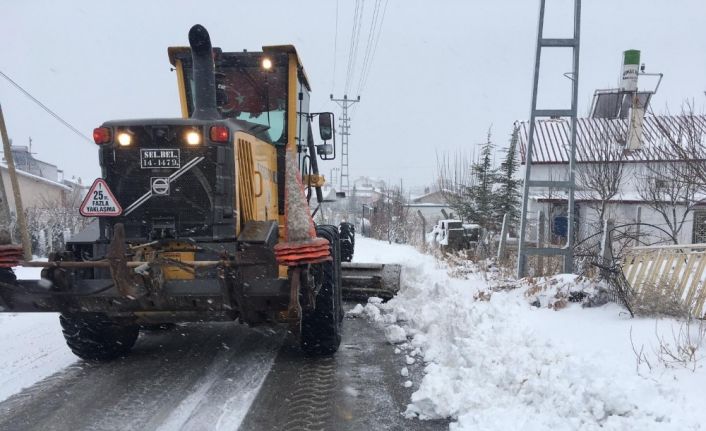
(124, 139)
(266, 63)
(193, 138)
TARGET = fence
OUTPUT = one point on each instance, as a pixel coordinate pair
(673, 271)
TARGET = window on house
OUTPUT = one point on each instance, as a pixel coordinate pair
(699, 228)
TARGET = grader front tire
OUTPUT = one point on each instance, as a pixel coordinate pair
(321, 327)
(95, 337)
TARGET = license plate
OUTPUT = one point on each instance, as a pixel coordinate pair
(157, 158)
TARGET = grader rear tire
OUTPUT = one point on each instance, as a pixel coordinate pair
(321, 327)
(95, 337)
(347, 239)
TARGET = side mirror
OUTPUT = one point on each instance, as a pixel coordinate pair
(324, 149)
(326, 125)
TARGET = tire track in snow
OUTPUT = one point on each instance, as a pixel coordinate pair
(194, 377)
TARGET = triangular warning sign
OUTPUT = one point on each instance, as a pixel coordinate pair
(100, 201)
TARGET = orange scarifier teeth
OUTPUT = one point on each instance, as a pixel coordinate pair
(301, 246)
(10, 255)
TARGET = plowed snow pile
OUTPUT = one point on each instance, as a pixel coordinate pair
(498, 365)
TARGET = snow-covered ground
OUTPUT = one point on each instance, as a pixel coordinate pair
(494, 362)
(32, 346)
(487, 359)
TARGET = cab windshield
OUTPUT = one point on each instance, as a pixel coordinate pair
(246, 91)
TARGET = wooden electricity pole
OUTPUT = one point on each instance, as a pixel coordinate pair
(4, 207)
(26, 245)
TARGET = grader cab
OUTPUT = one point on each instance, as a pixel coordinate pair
(206, 217)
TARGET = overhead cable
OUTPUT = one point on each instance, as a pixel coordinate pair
(46, 108)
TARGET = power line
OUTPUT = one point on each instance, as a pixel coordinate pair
(351, 44)
(355, 37)
(375, 47)
(372, 56)
(44, 107)
(369, 44)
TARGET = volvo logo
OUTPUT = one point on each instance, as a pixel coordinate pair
(160, 186)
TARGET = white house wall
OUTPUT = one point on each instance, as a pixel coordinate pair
(621, 212)
(432, 213)
(35, 193)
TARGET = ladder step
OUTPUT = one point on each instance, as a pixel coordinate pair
(546, 251)
(549, 183)
(557, 42)
(553, 113)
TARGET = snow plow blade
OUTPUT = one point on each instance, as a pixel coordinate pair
(364, 280)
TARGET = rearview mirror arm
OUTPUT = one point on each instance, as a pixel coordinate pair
(314, 162)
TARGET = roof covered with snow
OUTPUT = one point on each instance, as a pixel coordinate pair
(435, 197)
(552, 138)
(37, 178)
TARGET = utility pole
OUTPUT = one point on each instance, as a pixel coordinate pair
(24, 233)
(334, 180)
(345, 124)
(4, 207)
(568, 185)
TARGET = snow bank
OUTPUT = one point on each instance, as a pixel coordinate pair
(487, 368)
(32, 346)
(395, 334)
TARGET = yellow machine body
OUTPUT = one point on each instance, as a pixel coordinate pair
(257, 187)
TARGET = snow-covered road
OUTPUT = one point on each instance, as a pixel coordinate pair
(192, 377)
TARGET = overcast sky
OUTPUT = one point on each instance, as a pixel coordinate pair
(443, 73)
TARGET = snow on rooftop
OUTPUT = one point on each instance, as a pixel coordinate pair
(37, 178)
(552, 138)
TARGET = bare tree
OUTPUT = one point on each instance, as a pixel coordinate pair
(454, 176)
(670, 191)
(391, 220)
(468, 188)
(685, 143)
(599, 182)
(52, 223)
(599, 179)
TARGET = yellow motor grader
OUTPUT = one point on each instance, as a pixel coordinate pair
(205, 217)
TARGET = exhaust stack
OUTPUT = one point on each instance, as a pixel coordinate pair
(204, 74)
